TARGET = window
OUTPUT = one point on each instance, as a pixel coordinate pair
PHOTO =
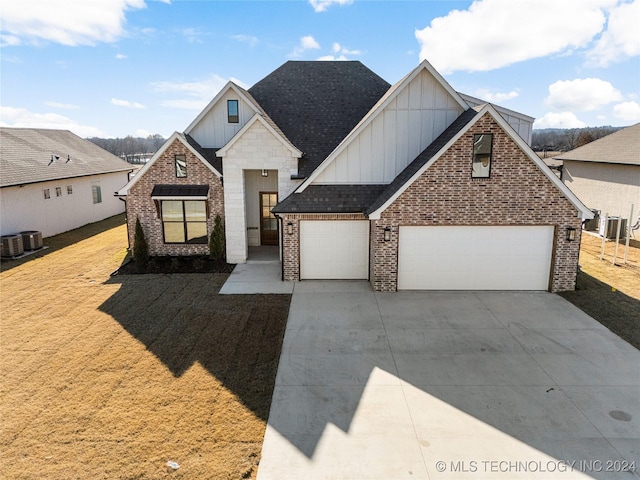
(184, 221)
(58, 191)
(181, 166)
(481, 155)
(47, 194)
(69, 189)
(96, 192)
(232, 111)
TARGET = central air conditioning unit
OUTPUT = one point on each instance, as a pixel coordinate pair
(609, 229)
(31, 239)
(12, 245)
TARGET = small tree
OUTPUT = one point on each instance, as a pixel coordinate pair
(140, 247)
(217, 248)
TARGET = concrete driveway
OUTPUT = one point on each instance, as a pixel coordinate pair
(455, 385)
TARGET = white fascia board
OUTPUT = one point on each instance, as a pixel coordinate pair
(124, 191)
(583, 211)
(257, 117)
(499, 108)
(229, 86)
(379, 107)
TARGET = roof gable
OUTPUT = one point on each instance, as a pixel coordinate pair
(262, 120)
(317, 103)
(188, 142)
(445, 141)
(396, 94)
(31, 155)
(621, 147)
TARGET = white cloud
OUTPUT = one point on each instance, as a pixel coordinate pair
(141, 133)
(559, 120)
(306, 43)
(496, 97)
(69, 22)
(120, 56)
(322, 5)
(492, 34)
(621, 40)
(126, 103)
(248, 39)
(581, 94)
(627, 111)
(23, 118)
(63, 106)
(196, 95)
(9, 40)
(339, 53)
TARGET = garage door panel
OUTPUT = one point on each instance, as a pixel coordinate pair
(474, 258)
(334, 250)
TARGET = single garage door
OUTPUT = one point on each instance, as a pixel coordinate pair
(334, 250)
(474, 258)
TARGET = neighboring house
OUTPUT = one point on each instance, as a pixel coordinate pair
(53, 181)
(605, 174)
(408, 186)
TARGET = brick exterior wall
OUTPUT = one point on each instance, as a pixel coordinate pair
(517, 193)
(140, 204)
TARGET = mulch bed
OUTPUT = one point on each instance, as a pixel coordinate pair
(192, 264)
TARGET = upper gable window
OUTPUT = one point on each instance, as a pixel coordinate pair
(232, 111)
(481, 166)
(181, 166)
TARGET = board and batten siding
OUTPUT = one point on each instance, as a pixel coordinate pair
(418, 114)
(213, 130)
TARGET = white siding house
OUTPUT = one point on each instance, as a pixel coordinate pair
(53, 181)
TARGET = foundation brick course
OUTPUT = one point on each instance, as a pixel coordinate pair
(140, 204)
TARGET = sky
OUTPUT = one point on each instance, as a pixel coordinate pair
(112, 68)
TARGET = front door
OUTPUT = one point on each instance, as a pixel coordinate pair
(268, 221)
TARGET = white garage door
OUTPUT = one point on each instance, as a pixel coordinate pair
(334, 250)
(474, 258)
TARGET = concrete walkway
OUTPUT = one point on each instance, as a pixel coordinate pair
(455, 385)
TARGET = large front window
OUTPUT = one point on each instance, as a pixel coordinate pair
(184, 221)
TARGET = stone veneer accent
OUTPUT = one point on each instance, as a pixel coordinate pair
(517, 193)
(140, 204)
(257, 149)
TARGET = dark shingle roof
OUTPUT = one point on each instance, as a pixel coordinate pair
(26, 156)
(209, 154)
(622, 147)
(317, 103)
(330, 199)
(403, 177)
(180, 191)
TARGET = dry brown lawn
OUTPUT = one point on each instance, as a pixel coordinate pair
(111, 377)
(607, 292)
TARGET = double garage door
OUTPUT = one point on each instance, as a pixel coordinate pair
(433, 258)
(475, 258)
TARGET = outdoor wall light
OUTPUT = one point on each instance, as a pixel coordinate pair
(571, 234)
(265, 173)
(387, 234)
(289, 228)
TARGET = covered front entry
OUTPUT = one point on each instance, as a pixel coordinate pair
(334, 249)
(474, 257)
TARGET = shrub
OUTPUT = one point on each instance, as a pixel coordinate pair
(140, 247)
(217, 248)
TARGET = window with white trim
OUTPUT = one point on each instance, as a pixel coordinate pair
(181, 166)
(96, 192)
